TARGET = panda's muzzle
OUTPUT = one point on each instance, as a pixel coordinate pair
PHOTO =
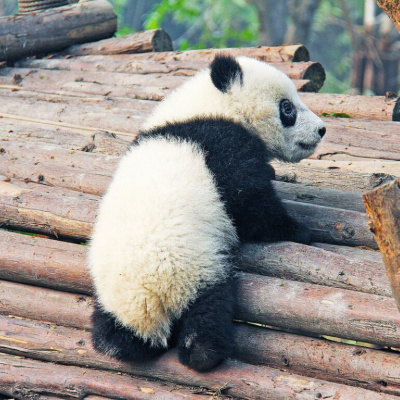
(307, 147)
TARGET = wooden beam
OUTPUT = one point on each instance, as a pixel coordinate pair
(383, 208)
(23, 35)
(138, 42)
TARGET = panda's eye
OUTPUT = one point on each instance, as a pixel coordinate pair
(287, 113)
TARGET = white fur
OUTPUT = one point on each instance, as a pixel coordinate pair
(255, 104)
(159, 237)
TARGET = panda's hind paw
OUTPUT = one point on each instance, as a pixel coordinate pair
(201, 356)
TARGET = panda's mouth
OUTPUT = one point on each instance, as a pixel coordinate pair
(307, 147)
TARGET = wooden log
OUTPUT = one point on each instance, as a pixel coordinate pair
(82, 180)
(45, 305)
(383, 208)
(55, 79)
(354, 253)
(23, 35)
(232, 378)
(302, 263)
(138, 42)
(56, 154)
(46, 210)
(44, 262)
(365, 166)
(306, 70)
(285, 53)
(333, 225)
(353, 139)
(305, 307)
(40, 208)
(59, 265)
(332, 179)
(22, 378)
(319, 196)
(74, 137)
(361, 107)
(391, 8)
(352, 365)
(122, 122)
(318, 309)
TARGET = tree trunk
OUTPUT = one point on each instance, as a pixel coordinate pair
(273, 21)
(302, 14)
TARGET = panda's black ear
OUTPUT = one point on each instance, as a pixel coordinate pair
(224, 71)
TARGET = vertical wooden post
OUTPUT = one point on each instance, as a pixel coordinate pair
(383, 209)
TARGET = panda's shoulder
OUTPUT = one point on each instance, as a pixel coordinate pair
(217, 135)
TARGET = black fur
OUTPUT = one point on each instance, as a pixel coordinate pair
(206, 336)
(224, 71)
(287, 113)
(111, 337)
(238, 160)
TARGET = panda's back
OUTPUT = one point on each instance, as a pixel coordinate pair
(163, 233)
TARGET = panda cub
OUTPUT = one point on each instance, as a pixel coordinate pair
(194, 185)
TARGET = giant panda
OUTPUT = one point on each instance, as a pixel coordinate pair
(193, 186)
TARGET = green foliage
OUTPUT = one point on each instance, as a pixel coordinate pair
(208, 23)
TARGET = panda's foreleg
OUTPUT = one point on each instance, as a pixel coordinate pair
(112, 338)
(206, 336)
(264, 218)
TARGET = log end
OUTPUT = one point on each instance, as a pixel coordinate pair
(161, 41)
(301, 54)
(316, 74)
(396, 111)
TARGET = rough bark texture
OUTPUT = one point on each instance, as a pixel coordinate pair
(55, 343)
(139, 42)
(383, 208)
(392, 8)
(23, 35)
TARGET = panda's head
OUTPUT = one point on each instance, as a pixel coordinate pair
(252, 93)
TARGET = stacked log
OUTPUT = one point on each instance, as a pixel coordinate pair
(312, 321)
(23, 35)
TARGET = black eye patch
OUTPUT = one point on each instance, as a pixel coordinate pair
(287, 113)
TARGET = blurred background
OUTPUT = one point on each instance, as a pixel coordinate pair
(354, 40)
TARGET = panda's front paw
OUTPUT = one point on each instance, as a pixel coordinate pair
(302, 234)
(200, 354)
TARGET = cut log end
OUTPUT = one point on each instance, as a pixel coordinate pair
(301, 54)
(161, 41)
(316, 74)
(396, 111)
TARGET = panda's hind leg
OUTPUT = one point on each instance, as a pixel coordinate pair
(112, 338)
(206, 336)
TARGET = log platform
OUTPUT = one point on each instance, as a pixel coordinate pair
(312, 322)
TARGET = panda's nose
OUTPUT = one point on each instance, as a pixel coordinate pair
(322, 132)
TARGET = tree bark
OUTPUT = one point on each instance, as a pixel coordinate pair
(334, 179)
(40, 208)
(59, 265)
(302, 14)
(392, 9)
(23, 378)
(37, 340)
(383, 208)
(302, 263)
(139, 42)
(273, 21)
(23, 35)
